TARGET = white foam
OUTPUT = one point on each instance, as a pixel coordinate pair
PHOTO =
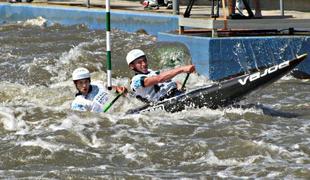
(39, 21)
(273, 174)
(130, 152)
(273, 147)
(242, 111)
(194, 80)
(65, 64)
(43, 144)
(66, 124)
(212, 159)
(268, 96)
(10, 122)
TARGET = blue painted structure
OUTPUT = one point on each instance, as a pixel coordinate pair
(217, 58)
(93, 18)
(214, 57)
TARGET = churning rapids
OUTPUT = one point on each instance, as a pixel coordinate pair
(41, 138)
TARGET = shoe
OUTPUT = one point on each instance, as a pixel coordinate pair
(258, 14)
(238, 16)
(169, 6)
(239, 5)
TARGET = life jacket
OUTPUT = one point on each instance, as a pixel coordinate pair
(152, 93)
(93, 101)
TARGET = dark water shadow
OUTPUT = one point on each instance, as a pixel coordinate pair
(268, 111)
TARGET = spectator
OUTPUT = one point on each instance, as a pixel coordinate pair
(239, 5)
(258, 12)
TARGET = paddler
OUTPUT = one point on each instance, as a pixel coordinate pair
(153, 86)
(91, 96)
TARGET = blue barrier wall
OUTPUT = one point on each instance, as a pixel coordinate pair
(93, 18)
(217, 58)
(213, 57)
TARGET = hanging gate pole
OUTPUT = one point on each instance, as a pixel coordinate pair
(108, 45)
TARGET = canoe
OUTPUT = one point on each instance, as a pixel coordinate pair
(225, 92)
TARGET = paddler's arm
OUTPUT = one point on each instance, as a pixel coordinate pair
(167, 75)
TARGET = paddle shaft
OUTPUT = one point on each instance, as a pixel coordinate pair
(185, 80)
(107, 106)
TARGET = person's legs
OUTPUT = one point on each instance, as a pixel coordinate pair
(232, 7)
(258, 12)
(239, 5)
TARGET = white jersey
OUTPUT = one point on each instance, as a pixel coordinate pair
(151, 93)
(93, 101)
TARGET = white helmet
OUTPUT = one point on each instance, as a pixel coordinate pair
(80, 73)
(133, 55)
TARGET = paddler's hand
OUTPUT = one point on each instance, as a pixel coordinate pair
(121, 89)
(188, 68)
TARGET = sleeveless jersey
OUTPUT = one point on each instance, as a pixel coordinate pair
(151, 93)
(93, 101)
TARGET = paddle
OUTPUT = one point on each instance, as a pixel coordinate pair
(107, 106)
(184, 82)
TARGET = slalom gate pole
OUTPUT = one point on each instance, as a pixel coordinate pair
(108, 45)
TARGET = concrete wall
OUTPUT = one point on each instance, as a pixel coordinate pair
(93, 18)
(217, 58)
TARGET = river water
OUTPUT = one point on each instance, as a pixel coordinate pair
(41, 138)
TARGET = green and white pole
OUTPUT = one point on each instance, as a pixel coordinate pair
(108, 45)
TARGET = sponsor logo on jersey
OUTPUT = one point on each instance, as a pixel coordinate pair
(102, 97)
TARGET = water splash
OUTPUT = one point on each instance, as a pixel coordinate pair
(39, 133)
(39, 21)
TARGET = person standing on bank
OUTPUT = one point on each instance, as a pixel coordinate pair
(258, 11)
(91, 96)
(152, 86)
